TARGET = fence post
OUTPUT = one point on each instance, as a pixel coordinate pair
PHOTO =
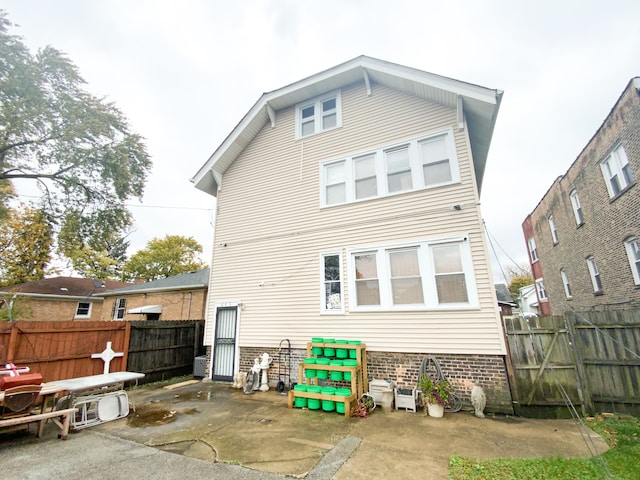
(511, 374)
(583, 383)
(13, 339)
(125, 346)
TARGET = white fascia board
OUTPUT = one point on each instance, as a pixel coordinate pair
(466, 90)
(45, 296)
(115, 293)
(457, 87)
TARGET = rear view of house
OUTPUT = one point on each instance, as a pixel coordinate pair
(348, 207)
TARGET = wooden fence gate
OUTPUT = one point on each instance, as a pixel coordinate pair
(590, 359)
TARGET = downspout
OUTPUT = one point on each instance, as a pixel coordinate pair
(189, 307)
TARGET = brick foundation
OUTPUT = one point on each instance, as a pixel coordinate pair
(463, 371)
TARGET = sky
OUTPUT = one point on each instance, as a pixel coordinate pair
(185, 72)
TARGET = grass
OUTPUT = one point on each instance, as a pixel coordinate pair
(622, 434)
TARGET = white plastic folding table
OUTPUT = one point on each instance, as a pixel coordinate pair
(98, 398)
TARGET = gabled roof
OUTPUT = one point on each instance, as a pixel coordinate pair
(480, 106)
(503, 295)
(71, 287)
(185, 281)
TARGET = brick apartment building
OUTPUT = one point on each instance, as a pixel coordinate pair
(583, 236)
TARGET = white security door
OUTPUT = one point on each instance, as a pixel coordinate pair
(225, 343)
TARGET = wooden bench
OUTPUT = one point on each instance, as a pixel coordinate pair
(61, 418)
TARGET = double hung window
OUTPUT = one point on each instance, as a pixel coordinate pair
(554, 231)
(119, 308)
(83, 310)
(565, 283)
(533, 251)
(425, 275)
(632, 245)
(594, 273)
(398, 166)
(436, 167)
(424, 162)
(617, 172)
(318, 115)
(577, 208)
(331, 284)
(542, 293)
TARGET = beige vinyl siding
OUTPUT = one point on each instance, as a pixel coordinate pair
(270, 218)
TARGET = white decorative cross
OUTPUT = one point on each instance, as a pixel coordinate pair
(107, 355)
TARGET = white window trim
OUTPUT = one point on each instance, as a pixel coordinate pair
(554, 231)
(88, 315)
(628, 245)
(115, 309)
(323, 307)
(565, 283)
(616, 160)
(427, 274)
(317, 114)
(593, 273)
(381, 171)
(542, 292)
(533, 250)
(577, 207)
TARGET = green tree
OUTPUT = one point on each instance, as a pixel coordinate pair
(96, 249)
(26, 240)
(517, 283)
(161, 258)
(78, 149)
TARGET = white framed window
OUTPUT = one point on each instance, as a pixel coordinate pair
(426, 161)
(398, 168)
(436, 166)
(632, 245)
(554, 231)
(577, 208)
(366, 182)
(119, 308)
(594, 274)
(336, 182)
(542, 293)
(616, 171)
(418, 276)
(332, 290)
(319, 115)
(533, 251)
(404, 273)
(83, 310)
(565, 283)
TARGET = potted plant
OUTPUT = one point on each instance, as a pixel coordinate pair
(435, 393)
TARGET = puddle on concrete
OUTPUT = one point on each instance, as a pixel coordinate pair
(200, 395)
(150, 415)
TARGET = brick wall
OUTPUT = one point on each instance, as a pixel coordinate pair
(607, 221)
(463, 371)
(35, 309)
(176, 305)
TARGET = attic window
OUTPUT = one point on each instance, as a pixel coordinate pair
(318, 115)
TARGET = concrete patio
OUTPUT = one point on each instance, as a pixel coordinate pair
(221, 430)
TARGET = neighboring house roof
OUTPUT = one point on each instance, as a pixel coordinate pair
(502, 292)
(71, 288)
(479, 105)
(185, 281)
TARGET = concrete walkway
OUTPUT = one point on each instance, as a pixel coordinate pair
(207, 430)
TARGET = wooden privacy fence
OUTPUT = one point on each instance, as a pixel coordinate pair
(592, 358)
(60, 350)
(164, 349)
